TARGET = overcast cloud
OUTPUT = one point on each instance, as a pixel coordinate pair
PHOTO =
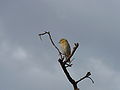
(27, 63)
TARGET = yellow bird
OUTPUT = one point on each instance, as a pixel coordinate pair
(65, 48)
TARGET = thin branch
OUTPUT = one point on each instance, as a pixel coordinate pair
(91, 79)
(42, 34)
(74, 49)
(68, 65)
(50, 37)
(86, 76)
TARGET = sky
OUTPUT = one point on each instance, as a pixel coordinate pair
(28, 63)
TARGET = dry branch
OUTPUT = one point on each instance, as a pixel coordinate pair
(64, 63)
(50, 37)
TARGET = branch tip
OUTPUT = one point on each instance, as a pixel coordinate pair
(50, 37)
(91, 80)
(88, 74)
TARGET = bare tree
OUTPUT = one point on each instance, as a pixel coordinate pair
(64, 63)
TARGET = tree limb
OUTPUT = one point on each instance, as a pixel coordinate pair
(64, 63)
(50, 37)
(71, 80)
(74, 49)
(86, 76)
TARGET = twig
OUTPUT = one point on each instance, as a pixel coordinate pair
(74, 49)
(86, 76)
(91, 79)
(50, 37)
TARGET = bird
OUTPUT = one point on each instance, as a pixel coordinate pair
(65, 48)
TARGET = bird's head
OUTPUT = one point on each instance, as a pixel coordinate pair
(63, 41)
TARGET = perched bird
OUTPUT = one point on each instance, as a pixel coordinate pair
(65, 48)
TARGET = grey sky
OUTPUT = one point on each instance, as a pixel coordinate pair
(26, 63)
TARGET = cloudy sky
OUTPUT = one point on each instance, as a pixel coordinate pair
(27, 63)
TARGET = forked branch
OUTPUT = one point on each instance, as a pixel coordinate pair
(63, 63)
(86, 76)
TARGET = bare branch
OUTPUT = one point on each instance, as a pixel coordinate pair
(91, 79)
(64, 64)
(74, 49)
(42, 34)
(50, 37)
(86, 76)
(68, 65)
(72, 81)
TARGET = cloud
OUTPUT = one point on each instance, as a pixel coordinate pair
(104, 75)
(20, 70)
(26, 63)
(20, 53)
